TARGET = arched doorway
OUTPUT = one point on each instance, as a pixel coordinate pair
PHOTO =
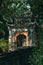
(21, 40)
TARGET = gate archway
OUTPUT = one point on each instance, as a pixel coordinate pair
(21, 40)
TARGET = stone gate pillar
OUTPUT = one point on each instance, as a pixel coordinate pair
(32, 34)
(10, 40)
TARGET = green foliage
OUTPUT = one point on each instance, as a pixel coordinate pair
(11, 8)
(35, 56)
(3, 44)
(3, 31)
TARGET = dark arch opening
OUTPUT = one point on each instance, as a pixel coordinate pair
(20, 40)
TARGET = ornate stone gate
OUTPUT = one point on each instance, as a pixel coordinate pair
(21, 34)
